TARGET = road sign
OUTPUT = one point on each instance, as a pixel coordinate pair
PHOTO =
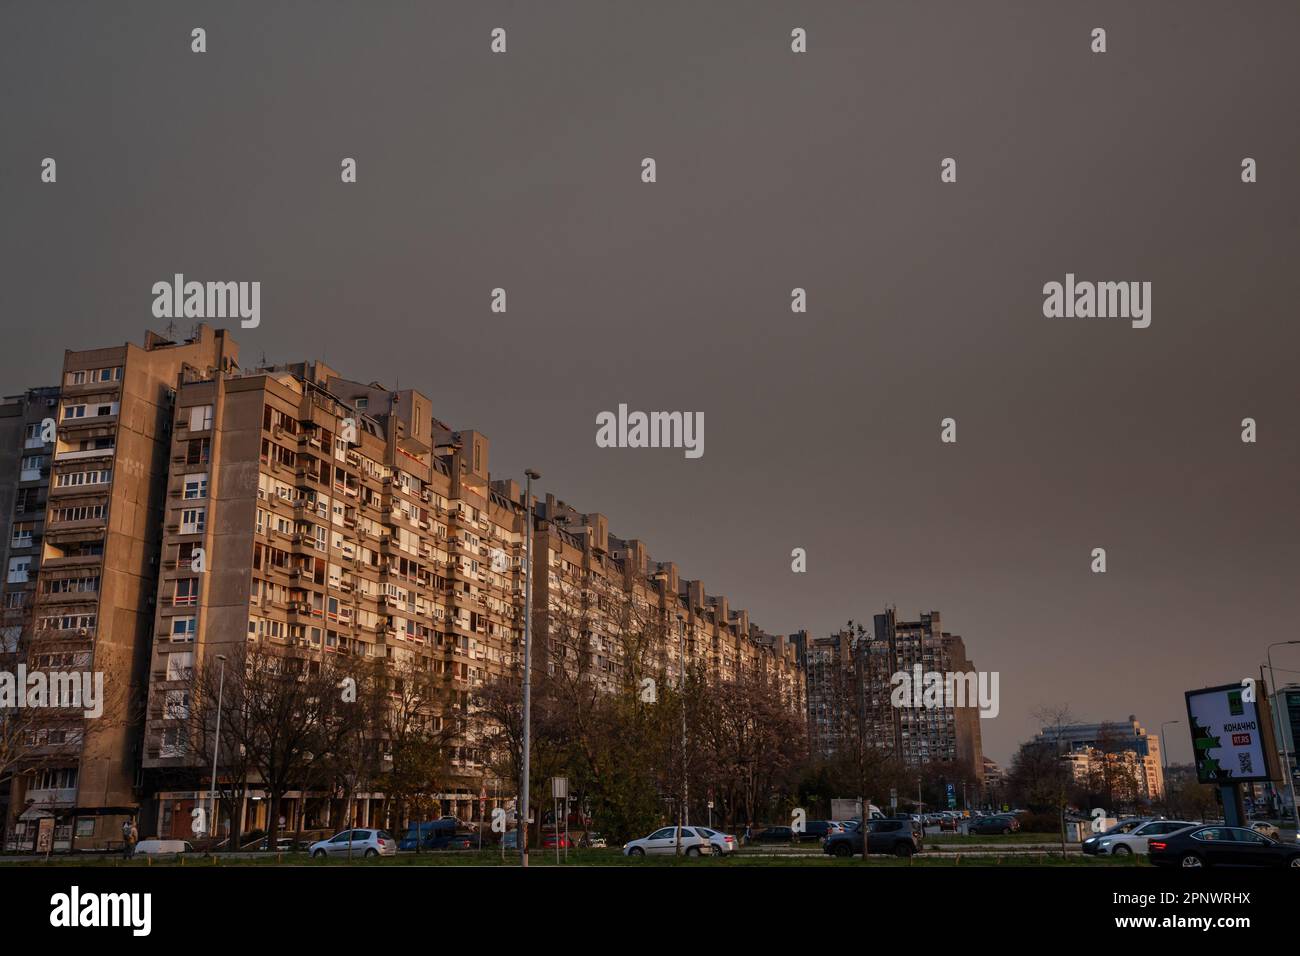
(559, 788)
(893, 798)
(952, 796)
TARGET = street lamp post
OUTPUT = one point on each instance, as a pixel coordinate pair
(1164, 754)
(683, 818)
(216, 746)
(1286, 751)
(1164, 760)
(528, 661)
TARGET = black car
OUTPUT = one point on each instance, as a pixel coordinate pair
(886, 836)
(774, 835)
(1196, 847)
(816, 831)
(1004, 823)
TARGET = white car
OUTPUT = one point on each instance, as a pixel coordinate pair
(723, 843)
(362, 843)
(156, 847)
(663, 842)
(1135, 840)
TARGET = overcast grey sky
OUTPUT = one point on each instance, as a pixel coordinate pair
(775, 170)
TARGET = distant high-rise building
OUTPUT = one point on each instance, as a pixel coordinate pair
(1087, 744)
(852, 673)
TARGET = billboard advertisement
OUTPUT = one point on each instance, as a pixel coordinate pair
(1231, 734)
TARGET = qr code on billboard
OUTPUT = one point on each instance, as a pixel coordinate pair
(1247, 768)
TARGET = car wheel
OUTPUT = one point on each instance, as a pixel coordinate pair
(318, 855)
(636, 851)
(1192, 862)
(693, 851)
(842, 850)
(902, 850)
(1295, 863)
(1122, 850)
(1006, 831)
(372, 852)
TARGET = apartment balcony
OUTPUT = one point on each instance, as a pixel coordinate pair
(55, 527)
(76, 425)
(72, 561)
(87, 454)
(61, 797)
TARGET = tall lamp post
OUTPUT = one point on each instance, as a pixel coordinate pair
(528, 662)
(216, 746)
(1164, 754)
(682, 817)
(1277, 711)
(1164, 759)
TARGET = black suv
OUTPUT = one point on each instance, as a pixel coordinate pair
(887, 836)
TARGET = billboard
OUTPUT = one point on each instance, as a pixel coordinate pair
(1231, 734)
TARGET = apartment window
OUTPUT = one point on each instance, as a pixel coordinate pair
(32, 466)
(185, 555)
(176, 704)
(79, 513)
(84, 585)
(56, 778)
(173, 744)
(74, 479)
(18, 570)
(180, 666)
(22, 536)
(200, 418)
(194, 520)
(16, 599)
(66, 622)
(196, 486)
(187, 592)
(198, 451)
(184, 628)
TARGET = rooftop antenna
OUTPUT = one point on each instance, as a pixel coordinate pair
(170, 329)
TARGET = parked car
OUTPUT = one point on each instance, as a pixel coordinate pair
(886, 836)
(1126, 825)
(1200, 846)
(815, 831)
(774, 835)
(1002, 823)
(156, 847)
(1268, 829)
(510, 840)
(663, 842)
(1134, 840)
(723, 843)
(454, 841)
(363, 843)
(427, 833)
(556, 841)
